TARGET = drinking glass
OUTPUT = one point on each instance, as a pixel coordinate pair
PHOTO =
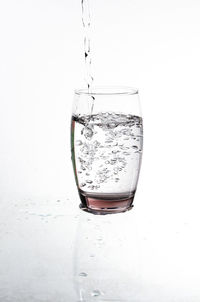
(106, 145)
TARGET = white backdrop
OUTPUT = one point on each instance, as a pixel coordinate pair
(152, 45)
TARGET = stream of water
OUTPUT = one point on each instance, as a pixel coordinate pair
(86, 19)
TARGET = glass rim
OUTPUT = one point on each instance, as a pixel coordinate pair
(107, 90)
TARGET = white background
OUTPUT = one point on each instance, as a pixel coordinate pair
(152, 45)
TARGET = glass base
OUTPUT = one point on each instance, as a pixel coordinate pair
(103, 204)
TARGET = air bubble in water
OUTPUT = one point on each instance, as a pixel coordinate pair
(88, 133)
(113, 161)
(126, 153)
(79, 143)
(115, 151)
(112, 125)
(92, 187)
(104, 161)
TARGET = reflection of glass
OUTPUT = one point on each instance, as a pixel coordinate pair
(106, 148)
(107, 260)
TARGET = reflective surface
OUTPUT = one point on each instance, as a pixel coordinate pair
(41, 259)
(36, 240)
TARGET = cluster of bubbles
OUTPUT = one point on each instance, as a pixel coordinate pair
(108, 142)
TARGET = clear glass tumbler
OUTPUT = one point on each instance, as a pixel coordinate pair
(106, 144)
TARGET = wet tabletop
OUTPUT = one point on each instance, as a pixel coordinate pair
(39, 252)
(36, 250)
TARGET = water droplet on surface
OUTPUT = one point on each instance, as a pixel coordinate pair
(83, 274)
(95, 293)
(135, 147)
(89, 181)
